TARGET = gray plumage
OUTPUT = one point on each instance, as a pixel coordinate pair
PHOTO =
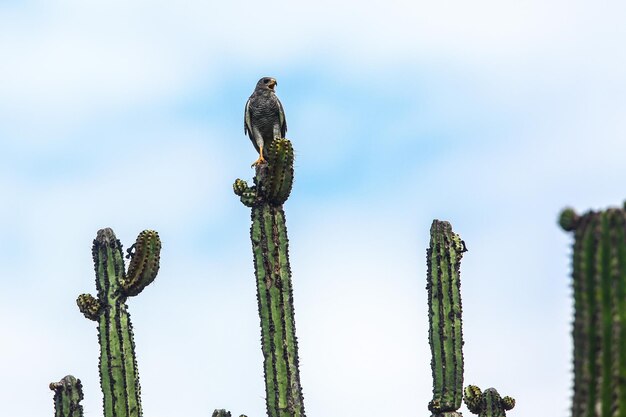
(264, 117)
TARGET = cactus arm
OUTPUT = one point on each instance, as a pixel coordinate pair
(144, 262)
(508, 403)
(568, 219)
(90, 307)
(487, 403)
(248, 195)
(68, 393)
(473, 399)
(280, 171)
(445, 331)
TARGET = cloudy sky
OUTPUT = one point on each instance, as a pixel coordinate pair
(492, 115)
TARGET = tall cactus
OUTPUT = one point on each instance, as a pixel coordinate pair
(68, 393)
(599, 330)
(488, 403)
(119, 378)
(444, 315)
(272, 186)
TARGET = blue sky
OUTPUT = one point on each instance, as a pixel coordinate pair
(492, 115)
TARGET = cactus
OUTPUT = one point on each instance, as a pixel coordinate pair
(272, 187)
(68, 394)
(444, 316)
(599, 328)
(223, 413)
(119, 378)
(488, 403)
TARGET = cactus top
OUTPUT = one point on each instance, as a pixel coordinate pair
(113, 282)
(488, 403)
(273, 180)
(143, 267)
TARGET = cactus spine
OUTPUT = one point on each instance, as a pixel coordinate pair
(119, 378)
(272, 187)
(68, 394)
(488, 403)
(444, 316)
(599, 329)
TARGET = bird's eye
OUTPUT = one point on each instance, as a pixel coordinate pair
(266, 80)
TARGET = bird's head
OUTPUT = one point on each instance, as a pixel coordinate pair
(266, 83)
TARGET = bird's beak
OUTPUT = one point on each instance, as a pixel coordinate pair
(272, 83)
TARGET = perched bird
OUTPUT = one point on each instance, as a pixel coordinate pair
(264, 118)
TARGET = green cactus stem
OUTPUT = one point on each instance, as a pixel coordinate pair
(444, 313)
(599, 328)
(488, 403)
(68, 393)
(272, 187)
(119, 377)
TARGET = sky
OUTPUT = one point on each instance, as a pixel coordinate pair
(492, 115)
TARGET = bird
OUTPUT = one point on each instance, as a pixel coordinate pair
(264, 117)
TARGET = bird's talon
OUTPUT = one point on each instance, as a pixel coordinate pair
(260, 161)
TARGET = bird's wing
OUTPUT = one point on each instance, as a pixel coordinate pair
(281, 118)
(247, 124)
